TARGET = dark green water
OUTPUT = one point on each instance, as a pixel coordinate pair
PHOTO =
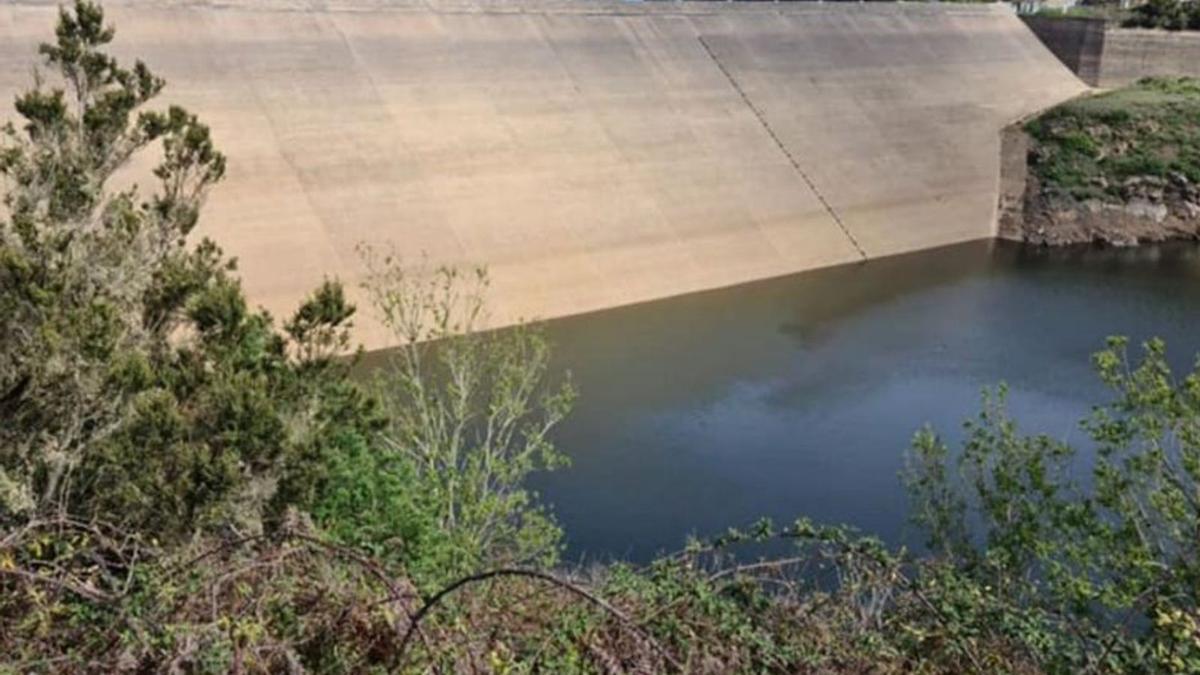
(798, 396)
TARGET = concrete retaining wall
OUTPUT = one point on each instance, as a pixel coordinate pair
(1131, 54)
(1077, 42)
(1107, 56)
(1015, 145)
(590, 153)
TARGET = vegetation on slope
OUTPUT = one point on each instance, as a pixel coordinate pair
(1093, 147)
(1118, 167)
(187, 487)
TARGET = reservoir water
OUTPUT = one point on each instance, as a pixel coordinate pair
(798, 396)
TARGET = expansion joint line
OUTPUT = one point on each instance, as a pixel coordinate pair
(762, 120)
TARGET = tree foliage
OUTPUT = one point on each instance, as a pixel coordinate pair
(470, 411)
(137, 385)
(1167, 14)
(185, 487)
(1108, 560)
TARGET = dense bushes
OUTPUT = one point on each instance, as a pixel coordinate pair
(1105, 563)
(1168, 14)
(186, 488)
(148, 412)
(138, 387)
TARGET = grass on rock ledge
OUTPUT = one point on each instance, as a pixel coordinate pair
(1090, 147)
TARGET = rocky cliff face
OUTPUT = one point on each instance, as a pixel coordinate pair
(1151, 209)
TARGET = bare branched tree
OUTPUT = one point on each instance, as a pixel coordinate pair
(470, 408)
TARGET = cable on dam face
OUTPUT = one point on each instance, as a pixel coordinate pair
(762, 120)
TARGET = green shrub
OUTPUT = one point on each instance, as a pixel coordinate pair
(137, 385)
(1136, 164)
(1081, 143)
(1110, 561)
(470, 411)
(185, 488)
(1166, 14)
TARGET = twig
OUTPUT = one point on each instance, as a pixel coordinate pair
(540, 576)
(78, 589)
(752, 567)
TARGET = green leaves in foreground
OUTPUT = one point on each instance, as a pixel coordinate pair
(1103, 543)
(186, 488)
(138, 387)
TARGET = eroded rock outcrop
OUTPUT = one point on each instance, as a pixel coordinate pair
(1153, 210)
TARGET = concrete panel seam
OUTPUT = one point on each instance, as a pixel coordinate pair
(762, 120)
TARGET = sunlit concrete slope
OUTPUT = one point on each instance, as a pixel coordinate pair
(589, 153)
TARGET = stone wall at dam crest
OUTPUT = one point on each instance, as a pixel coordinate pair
(590, 154)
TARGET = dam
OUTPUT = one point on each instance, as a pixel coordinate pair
(591, 154)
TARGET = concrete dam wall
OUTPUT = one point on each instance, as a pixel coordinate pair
(590, 153)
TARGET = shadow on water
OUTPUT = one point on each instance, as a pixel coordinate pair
(798, 396)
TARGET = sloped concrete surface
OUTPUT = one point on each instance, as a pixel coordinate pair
(589, 153)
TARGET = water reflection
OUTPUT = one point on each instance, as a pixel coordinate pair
(798, 395)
